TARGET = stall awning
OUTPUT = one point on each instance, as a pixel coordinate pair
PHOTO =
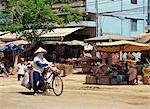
(143, 38)
(8, 37)
(18, 42)
(58, 34)
(110, 38)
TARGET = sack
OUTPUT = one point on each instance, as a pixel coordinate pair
(25, 81)
(31, 79)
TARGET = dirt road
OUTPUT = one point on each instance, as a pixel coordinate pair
(76, 95)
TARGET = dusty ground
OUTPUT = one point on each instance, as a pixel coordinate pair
(76, 95)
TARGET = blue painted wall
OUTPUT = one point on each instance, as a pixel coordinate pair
(120, 22)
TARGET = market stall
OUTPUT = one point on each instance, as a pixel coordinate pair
(125, 46)
(89, 64)
(11, 51)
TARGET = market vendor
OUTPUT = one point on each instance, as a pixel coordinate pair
(130, 57)
(102, 70)
(88, 55)
(132, 74)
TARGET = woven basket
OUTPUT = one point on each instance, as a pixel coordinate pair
(103, 80)
(91, 79)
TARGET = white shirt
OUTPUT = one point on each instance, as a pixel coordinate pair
(42, 61)
(21, 68)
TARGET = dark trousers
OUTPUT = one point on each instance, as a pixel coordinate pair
(20, 76)
(38, 80)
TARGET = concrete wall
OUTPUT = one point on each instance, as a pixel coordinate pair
(120, 22)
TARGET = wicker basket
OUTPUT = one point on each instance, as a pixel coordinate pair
(90, 79)
(103, 80)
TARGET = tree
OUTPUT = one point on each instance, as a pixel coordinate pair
(27, 17)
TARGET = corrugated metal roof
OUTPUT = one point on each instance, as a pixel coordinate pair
(60, 32)
(57, 33)
(8, 37)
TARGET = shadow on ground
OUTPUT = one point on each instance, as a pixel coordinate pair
(80, 73)
(26, 93)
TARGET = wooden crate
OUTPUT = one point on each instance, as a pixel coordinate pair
(90, 79)
(103, 80)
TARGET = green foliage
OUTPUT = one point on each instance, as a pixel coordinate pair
(25, 17)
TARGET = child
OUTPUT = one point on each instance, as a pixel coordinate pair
(21, 68)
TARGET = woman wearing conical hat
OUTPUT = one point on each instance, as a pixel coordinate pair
(38, 66)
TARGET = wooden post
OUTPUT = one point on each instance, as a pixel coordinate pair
(15, 64)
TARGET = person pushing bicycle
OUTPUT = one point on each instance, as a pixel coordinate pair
(39, 63)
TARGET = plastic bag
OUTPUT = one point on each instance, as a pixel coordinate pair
(25, 81)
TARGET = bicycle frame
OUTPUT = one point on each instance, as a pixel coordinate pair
(49, 76)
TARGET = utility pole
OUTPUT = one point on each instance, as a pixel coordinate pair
(98, 20)
(121, 19)
(148, 12)
(96, 9)
(100, 25)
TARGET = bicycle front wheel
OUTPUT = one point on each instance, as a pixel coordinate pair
(57, 85)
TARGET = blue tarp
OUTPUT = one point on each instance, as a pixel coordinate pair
(12, 48)
(2, 49)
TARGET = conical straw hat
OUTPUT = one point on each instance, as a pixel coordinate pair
(40, 50)
(132, 65)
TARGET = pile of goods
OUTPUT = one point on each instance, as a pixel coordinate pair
(146, 75)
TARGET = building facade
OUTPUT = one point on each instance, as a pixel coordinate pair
(108, 17)
(121, 17)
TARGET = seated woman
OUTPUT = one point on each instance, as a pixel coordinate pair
(132, 74)
(99, 71)
(121, 74)
(103, 70)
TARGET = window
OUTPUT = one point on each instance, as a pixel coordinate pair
(134, 1)
(133, 25)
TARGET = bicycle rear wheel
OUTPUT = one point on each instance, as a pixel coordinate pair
(57, 85)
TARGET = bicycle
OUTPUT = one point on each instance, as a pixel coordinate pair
(52, 81)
